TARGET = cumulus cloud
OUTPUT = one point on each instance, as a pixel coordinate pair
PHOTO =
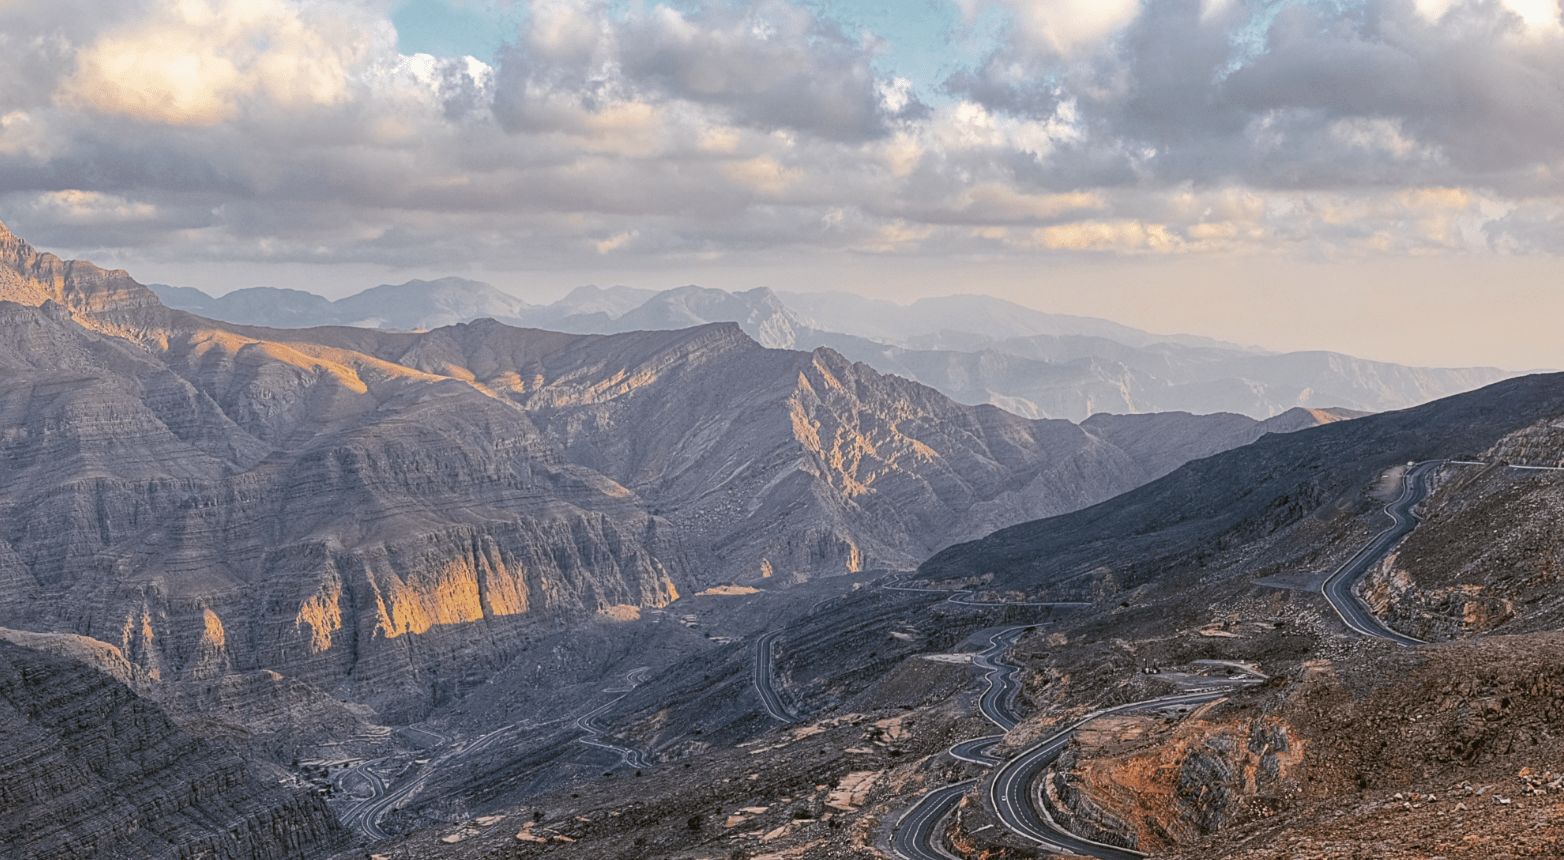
(1072, 26)
(1309, 93)
(193, 61)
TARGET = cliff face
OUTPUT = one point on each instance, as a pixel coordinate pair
(276, 511)
(778, 462)
(89, 769)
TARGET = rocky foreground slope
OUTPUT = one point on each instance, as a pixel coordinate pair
(90, 769)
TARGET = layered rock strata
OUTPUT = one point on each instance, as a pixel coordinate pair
(90, 769)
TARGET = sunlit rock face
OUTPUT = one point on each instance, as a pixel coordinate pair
(357, 508)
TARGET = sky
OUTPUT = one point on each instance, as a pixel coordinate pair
(1379, 177)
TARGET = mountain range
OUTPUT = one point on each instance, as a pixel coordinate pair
(214, 498)
(492, 590)
(974, 349)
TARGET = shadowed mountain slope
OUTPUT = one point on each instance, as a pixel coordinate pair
(90, 769)
(1239, 496)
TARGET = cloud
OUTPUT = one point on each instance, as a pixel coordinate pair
(1122, 235)
(1072, 26)
(280, 131)
(192, 62)
(769, 65)
(1300, 94)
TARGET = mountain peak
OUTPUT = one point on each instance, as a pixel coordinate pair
(31, 277)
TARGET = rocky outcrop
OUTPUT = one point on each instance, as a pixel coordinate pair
(89, 769)
(1488, 557)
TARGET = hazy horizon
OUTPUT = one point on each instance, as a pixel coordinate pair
(1123, 298)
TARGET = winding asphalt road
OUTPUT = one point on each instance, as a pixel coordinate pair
(1007, 787)
(1338, 588)
(764, 684)
(998, 701)
(914, 837)
(628, 756)
(976, 750)
(1007, 791)
(356, 817)
(367, 814)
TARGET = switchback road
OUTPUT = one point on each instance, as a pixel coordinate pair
(1007, 791)
(628, 756)
(976, 750)
(367, 814)
(998, 701)
(915, 837)
(1338, 588)
(765, 683)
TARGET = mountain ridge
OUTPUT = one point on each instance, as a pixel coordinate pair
(974, 349)
(1266, 486)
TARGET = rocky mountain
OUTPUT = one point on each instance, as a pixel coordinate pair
(367, 511)
(1075, 377)
(974, 349)
(271, 543)
(957, 322)
(1350, 742)
(589, 309)
(636, 595)
(409, 306)
(1193, 582)
(90, 769)
(1161, 442)
(1489, 559)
